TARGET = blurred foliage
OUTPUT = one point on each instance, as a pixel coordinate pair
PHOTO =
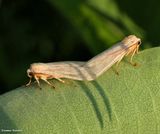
(47, 31)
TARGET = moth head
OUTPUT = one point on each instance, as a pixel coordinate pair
(131, 40)
(29, 73)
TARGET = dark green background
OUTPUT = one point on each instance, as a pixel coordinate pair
(55, 30)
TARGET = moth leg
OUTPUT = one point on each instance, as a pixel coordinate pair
(137, 50)
(116, 69)
(30, 80)
(60, 80)
(37, 80)
(44, 79)
(131, 60)
(129, 51)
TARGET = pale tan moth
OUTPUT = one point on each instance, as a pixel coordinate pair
(85, 70)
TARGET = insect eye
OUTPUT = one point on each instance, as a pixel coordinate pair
(30, 73)
(139, 42)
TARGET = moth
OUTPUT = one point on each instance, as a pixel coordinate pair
(85, 71)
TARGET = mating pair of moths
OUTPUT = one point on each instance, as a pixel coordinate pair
(89, 70)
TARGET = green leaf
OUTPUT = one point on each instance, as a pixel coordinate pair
(123, 104)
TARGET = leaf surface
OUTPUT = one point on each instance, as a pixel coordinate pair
(119, 104)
